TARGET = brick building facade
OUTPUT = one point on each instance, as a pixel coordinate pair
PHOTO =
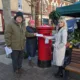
(48, 6)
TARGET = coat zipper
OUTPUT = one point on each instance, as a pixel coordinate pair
(20, 36)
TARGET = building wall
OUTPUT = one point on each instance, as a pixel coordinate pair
(14, 6)
(26, 7)
(47, 8)
(0, 4)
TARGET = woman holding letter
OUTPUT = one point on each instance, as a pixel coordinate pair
(59, 46)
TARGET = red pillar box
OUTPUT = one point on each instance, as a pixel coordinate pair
(44, 47)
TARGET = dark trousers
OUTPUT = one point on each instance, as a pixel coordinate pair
(17, 58)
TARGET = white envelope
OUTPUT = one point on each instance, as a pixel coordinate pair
(8, 50)
(39, 35)
(46, 41)
(49, 37)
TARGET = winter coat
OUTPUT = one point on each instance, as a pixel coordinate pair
(31, 42)
(60, 47)
(15, 35)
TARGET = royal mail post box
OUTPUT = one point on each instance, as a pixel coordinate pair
(44, 47)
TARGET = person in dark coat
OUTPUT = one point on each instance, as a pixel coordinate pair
(31, 43)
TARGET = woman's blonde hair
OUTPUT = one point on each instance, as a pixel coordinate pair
(64, 21)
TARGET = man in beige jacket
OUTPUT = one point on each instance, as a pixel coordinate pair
(15, 34)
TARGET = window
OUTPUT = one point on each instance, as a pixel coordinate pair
(19, 4)
(45, 21)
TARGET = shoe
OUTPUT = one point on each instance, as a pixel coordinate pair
(20, 71)
(58, 75)
(16, 75)
(16, 72)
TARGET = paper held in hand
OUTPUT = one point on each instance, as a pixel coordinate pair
(39, 35)
(8, 50)
(46, 41)
(49, 37)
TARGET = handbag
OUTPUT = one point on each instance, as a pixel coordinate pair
(67, 58)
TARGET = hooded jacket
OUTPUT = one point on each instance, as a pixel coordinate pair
(15, 35)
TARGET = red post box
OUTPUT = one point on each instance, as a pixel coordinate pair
(44, 47)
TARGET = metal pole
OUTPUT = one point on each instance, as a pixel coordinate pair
(32, 8)
(37, 13)
(41, 12)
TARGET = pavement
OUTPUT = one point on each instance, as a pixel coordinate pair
(2, 41)
(31, 73)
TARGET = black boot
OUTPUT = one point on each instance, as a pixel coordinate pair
(59, 74)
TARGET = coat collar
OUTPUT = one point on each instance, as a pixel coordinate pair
(61, 29)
